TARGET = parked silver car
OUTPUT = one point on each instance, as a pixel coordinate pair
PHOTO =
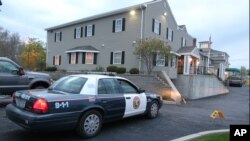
(235, 81)
(13, 78)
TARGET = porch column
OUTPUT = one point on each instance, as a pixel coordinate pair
(186, 67)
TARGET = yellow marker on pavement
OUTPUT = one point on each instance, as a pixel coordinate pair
(217, 113)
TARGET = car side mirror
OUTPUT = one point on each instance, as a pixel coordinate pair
(21, 71)
(141, 90)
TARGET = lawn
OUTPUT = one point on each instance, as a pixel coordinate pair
(214, 137)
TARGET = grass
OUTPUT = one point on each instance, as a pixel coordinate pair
(214, 137)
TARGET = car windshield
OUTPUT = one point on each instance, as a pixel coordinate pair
(235, 78)
(69, 84)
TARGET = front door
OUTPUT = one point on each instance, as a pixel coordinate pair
(135, 101)
(10, 80)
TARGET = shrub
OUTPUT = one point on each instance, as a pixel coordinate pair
(111, 68)
(121, 70)
(165, 97)
(134, 71)
(51, 68)
(99, 69)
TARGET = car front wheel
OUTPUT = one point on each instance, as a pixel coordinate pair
(153, 110)
(89, 124)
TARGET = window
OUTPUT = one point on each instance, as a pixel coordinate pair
(156, 28)
(6, 67)
(117, 57)
(101, 87)
(108, 86)
(119, 25)
(170, 34)
(57, 60)
(89, 58)
(173, 61)
(89, 30)
(70, 84)
(160, 59)
(127, 87)
(58, 36)
(183, 42)
(78, 32)
(73, 58)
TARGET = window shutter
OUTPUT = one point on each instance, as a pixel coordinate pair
(167, 33)
(55, 37)
(123, 24)
(60, 60)
(185, 42)
(172, 38)
(60, 36)
(123, 57)
(166, 61)
(171, 62)
(153, 25)
(69, 58)
(76, 57)
(85, 31)
(113, 29)
(83, 57)
(81, 31)
(95, 58)
(111, 58)
(53, 60)
(75, 33)
(93, 30)
(159, 28)
(154, 59)
(181, 41)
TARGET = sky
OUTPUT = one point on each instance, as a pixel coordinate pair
(227, 21)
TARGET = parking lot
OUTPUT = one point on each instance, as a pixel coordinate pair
(173, 122)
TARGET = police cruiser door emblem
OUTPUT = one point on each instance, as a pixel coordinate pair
(136, 102)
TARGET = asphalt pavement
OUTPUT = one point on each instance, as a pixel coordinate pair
(174, 121)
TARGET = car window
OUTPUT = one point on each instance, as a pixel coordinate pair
(7, 67)
(127, 87)
(70, 84)
(101, 87)
(111, 86)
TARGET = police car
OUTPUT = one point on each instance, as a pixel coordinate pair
(82, 102)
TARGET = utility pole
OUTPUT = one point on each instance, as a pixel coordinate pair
(209, 50)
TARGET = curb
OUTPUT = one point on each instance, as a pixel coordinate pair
(196, 135)
(169, 102)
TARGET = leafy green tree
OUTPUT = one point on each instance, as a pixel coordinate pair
(33, 55)
(147, 48)
(243, 72)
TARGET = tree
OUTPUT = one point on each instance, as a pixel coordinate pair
(243, 72)
(33, 55)
(10, 44)
(147, 49)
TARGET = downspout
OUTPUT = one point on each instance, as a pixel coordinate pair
(142, 15)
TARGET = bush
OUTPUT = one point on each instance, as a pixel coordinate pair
(121, 70)
(51, 68)
(99, 69)
(111, 68)
(134, 71)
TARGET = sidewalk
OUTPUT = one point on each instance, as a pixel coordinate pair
(196, 135)
(4, 100)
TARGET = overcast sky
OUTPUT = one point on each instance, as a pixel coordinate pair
(226, 20)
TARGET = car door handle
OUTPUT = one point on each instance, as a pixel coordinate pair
(128, 97)
(104, 101)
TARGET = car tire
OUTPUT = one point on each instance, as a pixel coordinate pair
(153, 110)
(90, 124)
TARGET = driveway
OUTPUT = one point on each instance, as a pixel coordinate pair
(173, 122)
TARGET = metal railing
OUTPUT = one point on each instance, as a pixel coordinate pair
(197, 70)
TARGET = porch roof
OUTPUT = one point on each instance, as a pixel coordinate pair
(189, 50)
(87, 48)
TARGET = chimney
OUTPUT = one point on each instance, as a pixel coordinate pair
(194, 42)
